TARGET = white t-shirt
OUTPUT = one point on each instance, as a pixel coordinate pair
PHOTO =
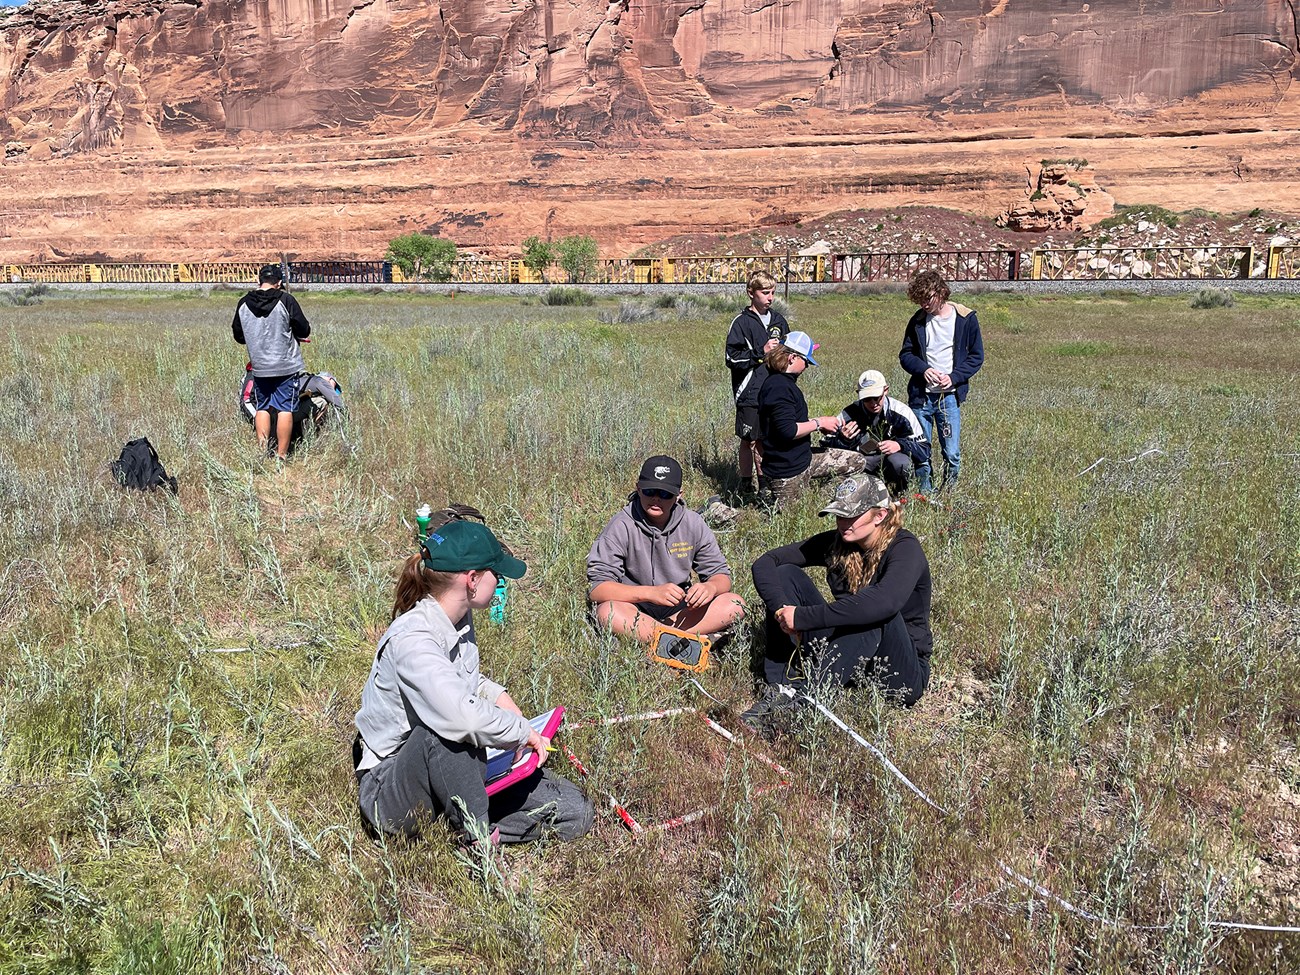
(765, 318)
(939, 332)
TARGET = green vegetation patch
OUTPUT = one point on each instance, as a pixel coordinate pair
(1111, 708)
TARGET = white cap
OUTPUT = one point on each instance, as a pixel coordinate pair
(871, 384)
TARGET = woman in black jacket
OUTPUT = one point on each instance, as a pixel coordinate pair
(783, 424)
(877, 626)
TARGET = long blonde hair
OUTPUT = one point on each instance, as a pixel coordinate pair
(858, 565)
(415, 582)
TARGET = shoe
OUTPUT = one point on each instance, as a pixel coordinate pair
(716, 513)
(771, 711)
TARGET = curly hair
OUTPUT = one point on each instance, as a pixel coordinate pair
(926, 285)
(857, 565)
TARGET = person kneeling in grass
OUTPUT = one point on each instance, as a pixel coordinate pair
(876, 628)
(427, 715)
(640, 566)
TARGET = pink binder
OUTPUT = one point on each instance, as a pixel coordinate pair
(500, 770)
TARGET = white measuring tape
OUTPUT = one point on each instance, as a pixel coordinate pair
(1015, 875)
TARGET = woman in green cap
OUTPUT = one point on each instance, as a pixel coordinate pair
(428, 716)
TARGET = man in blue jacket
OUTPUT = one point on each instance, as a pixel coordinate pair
(942, 350)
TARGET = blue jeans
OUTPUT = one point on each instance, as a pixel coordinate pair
(940, 418)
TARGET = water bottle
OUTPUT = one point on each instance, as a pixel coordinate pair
(423, 515)
(497, 608)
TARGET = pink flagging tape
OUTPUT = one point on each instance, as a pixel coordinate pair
(621, 811)
(1018, 877)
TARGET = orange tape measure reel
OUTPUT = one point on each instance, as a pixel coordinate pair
(680, 649)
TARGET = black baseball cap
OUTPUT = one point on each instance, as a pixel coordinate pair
(662, 473)
(270, 274)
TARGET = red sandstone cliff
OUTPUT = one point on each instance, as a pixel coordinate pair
(199, 129)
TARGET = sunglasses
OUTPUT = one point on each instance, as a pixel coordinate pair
(657, 493)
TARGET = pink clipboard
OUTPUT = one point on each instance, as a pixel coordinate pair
(546, 725)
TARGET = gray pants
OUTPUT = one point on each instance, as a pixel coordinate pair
(834, 462)
(428, 774)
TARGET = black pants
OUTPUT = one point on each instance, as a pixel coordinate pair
(882, 654)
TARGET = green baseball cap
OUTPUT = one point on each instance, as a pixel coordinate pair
(459, 546)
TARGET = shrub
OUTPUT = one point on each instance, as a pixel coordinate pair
(629, 313)
(1141, 211)
(568, 296)
(421, 257)
(30, 295)
(539, 255)
(576, 255)
(1212, 298)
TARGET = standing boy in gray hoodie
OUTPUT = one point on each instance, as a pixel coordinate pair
(270, 322)
(640, 566)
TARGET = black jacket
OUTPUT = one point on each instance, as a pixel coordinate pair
(895, 422)
(967, 354)
(781, 408)
(901, 584)
(744, 353)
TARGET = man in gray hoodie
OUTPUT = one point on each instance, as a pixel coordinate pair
(270, 322)
(640, 566)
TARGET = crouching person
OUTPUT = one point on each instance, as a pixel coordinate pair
(427, 715)
(640, 566)
(885, 431)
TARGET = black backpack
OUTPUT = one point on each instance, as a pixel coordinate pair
(140, 468)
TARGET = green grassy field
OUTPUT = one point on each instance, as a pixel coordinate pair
(1113, 710)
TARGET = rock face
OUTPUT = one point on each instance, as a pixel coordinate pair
(137, 126)
(1065, 196)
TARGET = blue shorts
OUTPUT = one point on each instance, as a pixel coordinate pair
(276, 393)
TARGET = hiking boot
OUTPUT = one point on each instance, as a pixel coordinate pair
(716, 513)
(771, 712)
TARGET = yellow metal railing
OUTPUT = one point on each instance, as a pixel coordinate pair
(1106, 263)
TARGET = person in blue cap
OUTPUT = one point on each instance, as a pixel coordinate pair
(789, 464)
(428, 715)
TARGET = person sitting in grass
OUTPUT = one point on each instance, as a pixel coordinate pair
(428, 715)
(640, 565)
(877, 626)
(884, 430)
(790, 463)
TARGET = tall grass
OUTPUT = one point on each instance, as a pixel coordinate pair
(1113, 707)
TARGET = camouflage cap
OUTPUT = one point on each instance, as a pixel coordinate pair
(857, 495)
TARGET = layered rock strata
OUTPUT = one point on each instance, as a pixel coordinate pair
(136, 128)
